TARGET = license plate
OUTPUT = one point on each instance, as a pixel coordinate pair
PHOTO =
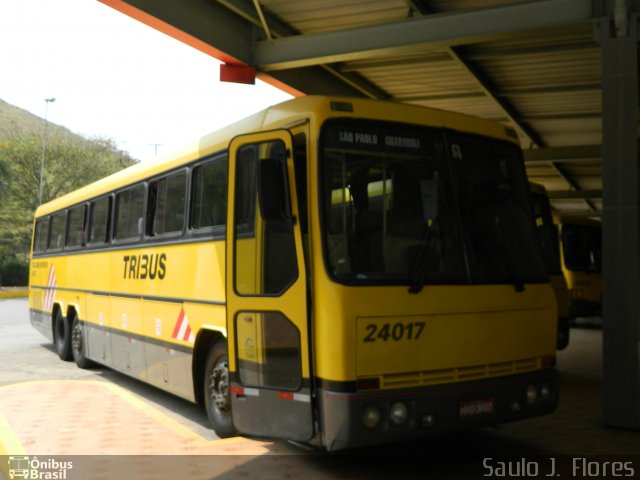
(474, 408)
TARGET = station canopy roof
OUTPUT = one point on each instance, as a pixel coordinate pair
(535, 65)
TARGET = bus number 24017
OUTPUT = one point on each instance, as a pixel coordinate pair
(396, 331)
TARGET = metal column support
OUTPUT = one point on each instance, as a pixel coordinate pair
(621, 217)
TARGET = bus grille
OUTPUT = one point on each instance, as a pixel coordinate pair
(463, 374)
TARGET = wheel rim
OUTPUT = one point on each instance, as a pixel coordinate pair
(76, 338)
(219, 388)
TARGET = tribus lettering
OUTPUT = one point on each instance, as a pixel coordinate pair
(145, 266)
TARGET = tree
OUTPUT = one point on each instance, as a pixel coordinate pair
(71, 162)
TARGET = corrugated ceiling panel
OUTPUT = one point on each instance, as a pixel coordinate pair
(562, 102)
(548, 40)
(575, 206)
(421, 79)
(552, 78)
(569, 132)
(311, 16)
(480, 107)
(563, 68)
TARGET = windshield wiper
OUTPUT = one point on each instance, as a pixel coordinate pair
(419, 262)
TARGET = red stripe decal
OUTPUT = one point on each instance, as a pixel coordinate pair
(236, 389)
(178, 323)
(285, 395)
(187, 334)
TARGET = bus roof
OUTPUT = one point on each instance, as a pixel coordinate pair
(312, 108)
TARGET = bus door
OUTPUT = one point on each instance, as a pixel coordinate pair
(267, 328)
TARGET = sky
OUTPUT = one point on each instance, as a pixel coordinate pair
(114, 77)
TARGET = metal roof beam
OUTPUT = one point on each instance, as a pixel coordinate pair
(574, 194)
(521, 51)
(443, 29)
(226, 30)
(554, 156)
(503, 92)
(577, 213)
(279, 29)
(484, 81)
(572, 183)
(488, 87)
(563, 154)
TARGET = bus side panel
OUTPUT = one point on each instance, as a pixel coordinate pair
(168, 365)
(127, 347)
(98, 336)
(40, 296)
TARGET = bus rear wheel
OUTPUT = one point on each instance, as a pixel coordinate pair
(61, 336)
(78, 345)
(217, 398)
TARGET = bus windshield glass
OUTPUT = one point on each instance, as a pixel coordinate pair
(582, 248)
(546, 233)
(409, 205)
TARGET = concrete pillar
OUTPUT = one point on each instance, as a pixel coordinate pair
(618, 35)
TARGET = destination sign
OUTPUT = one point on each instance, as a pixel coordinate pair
(394, 138)
(374, 139)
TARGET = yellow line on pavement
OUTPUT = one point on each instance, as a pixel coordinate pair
(9, 443)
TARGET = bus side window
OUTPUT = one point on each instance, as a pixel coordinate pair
(41, 234)
(166, 205)
(56, 231)
(209, 195)
(129, 212)
(76, 226)
(100, 214)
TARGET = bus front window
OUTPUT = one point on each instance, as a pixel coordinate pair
(387, 194)
(397, 199)
(582, 246)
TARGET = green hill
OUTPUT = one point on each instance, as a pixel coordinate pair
(14, 119)
(71, 162)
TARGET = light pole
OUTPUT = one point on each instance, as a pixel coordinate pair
(44, 145)
(155, 146)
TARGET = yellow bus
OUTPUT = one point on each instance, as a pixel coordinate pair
(581, 253)
(262, 273)
(548, 240)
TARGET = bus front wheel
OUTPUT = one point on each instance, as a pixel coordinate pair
(61, 336)
(217, 397)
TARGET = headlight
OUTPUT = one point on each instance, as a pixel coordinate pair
(532, 394)
(371, 416)
(398, 413)
(545, 391)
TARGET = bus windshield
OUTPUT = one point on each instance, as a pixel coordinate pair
(582, 248)
(547, 233)
(410, 205)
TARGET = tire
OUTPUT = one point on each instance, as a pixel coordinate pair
(62, 336)
(217, 398)
(78, 345)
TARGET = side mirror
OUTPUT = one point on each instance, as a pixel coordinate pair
(273, 191)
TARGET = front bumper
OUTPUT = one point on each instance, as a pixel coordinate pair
(435, 410)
